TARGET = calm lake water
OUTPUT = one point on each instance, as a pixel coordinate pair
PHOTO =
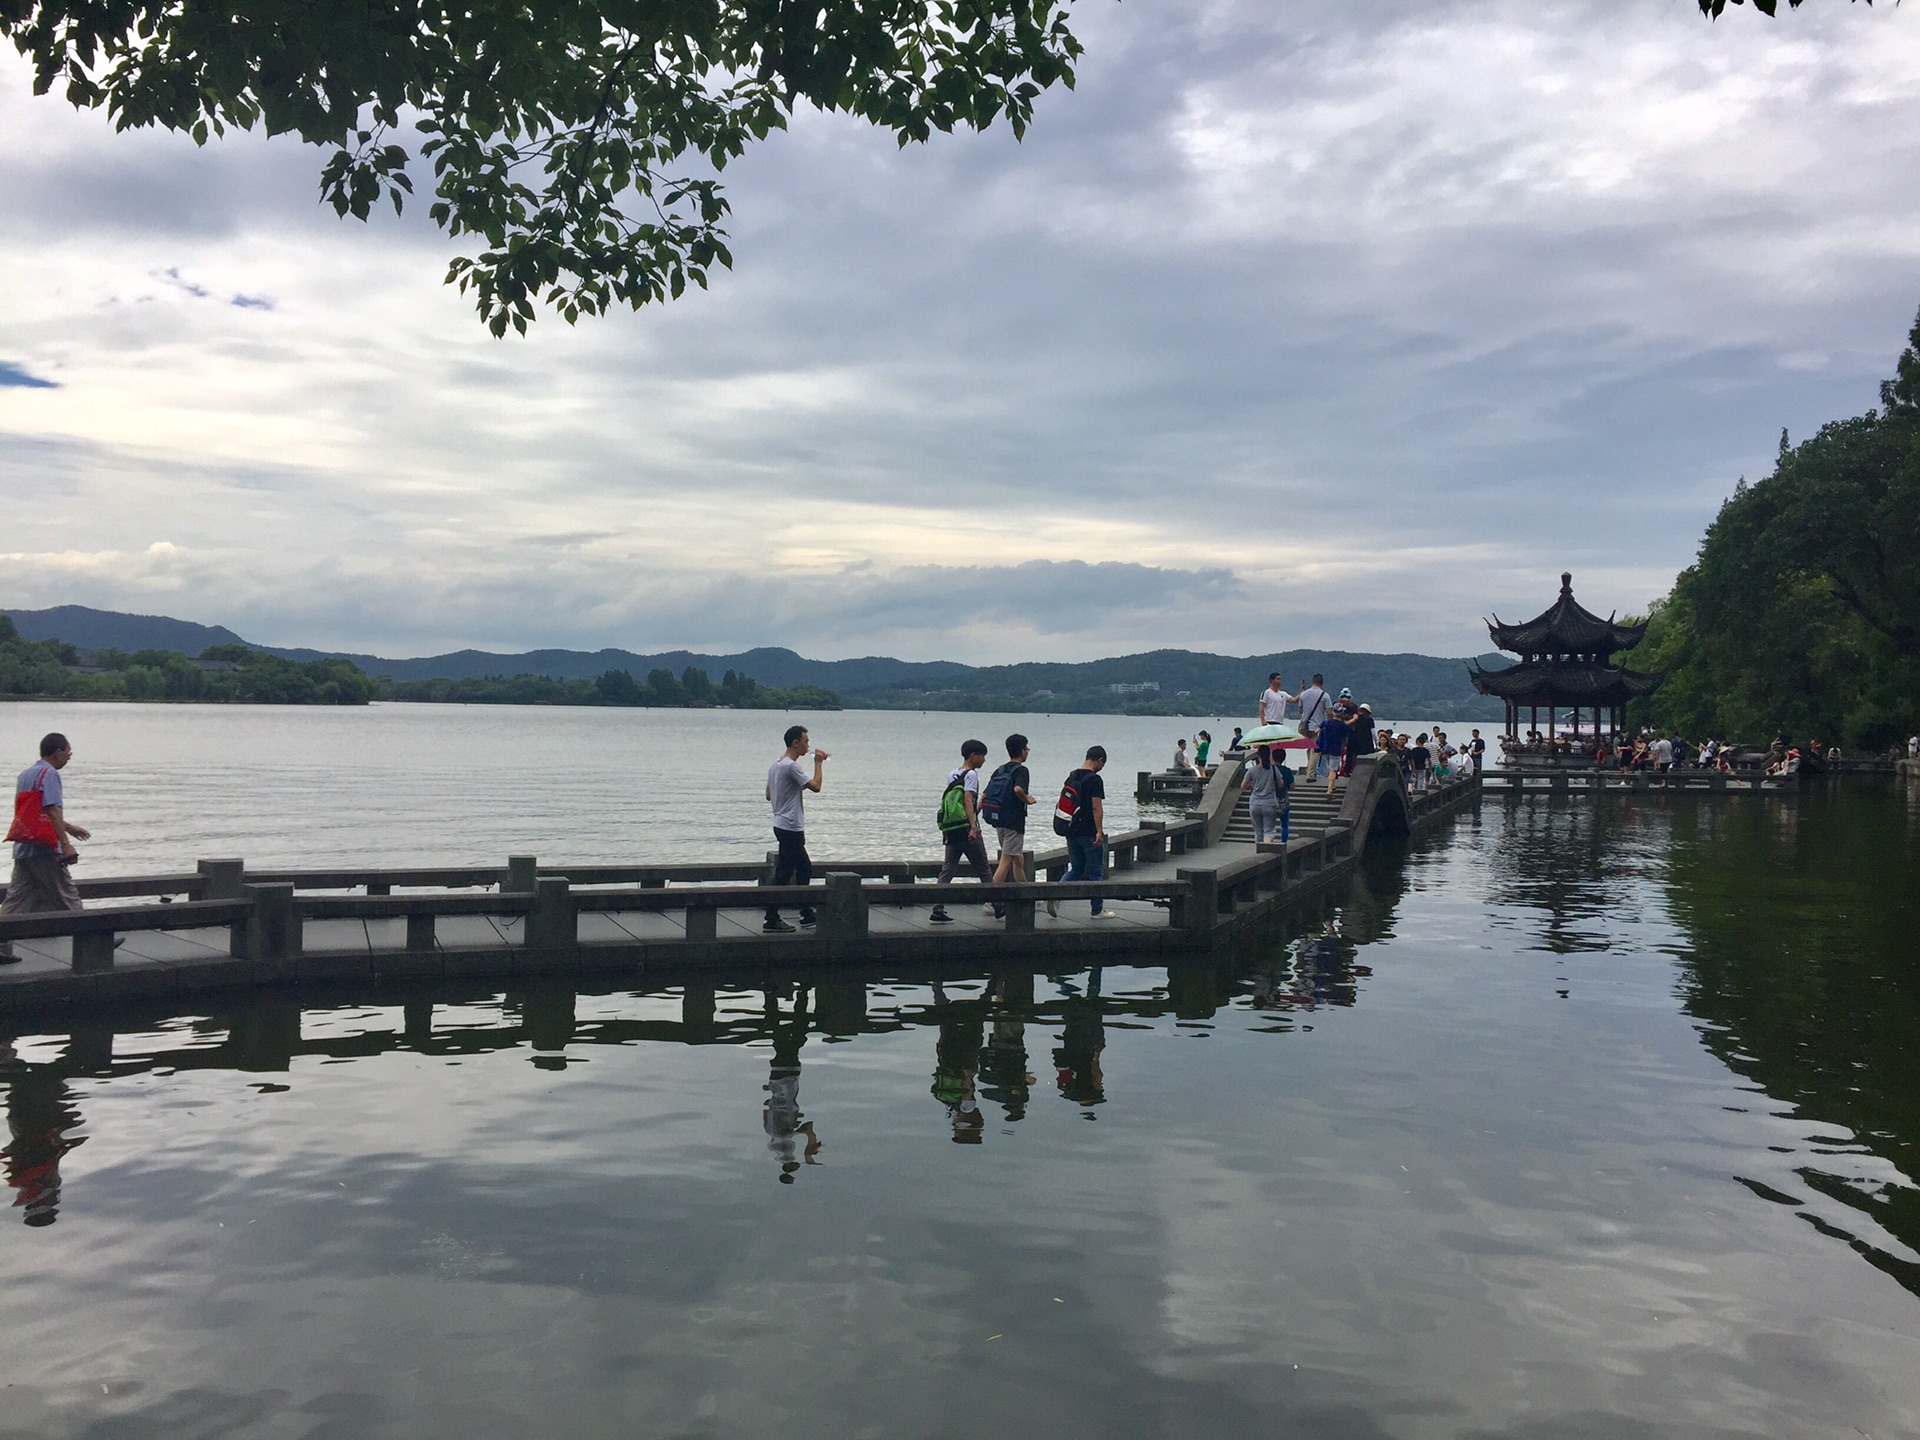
(1581, 1117)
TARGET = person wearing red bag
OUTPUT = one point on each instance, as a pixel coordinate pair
(42, 840)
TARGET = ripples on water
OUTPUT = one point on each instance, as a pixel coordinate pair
(1575, 1119)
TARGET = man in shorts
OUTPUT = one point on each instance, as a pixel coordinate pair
(43, 851)
(1009, 815)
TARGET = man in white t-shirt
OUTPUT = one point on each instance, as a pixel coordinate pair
(787, 786)
(1663, 754)
(963, 842)
(1273, 701)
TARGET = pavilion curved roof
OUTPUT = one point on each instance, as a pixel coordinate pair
(1565, 628)
(1536, 682)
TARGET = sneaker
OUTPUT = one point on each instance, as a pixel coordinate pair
(940, 916)
(7, 957)
(999, 912)
(990, 908)
(776, 926)
(808, 919)
(1053, 908)
(1105, 915)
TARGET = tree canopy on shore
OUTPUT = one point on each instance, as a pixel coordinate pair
(1802, 613)
(577, 142)
(224, 674)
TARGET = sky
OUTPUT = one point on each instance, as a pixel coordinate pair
(1327, 325)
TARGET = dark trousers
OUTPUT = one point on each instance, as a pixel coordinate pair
(1086, 860)
(793, 867)
(964, 845)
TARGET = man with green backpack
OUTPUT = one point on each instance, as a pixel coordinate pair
(959, 819)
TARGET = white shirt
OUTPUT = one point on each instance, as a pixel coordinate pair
(1273, 706)
(1663, 751)
(787, 782)
(1313, 707)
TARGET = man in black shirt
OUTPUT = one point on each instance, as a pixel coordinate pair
(1359, 736)
(1087, 833)
(1005, 808)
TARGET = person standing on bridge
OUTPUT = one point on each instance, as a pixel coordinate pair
(43, 851)
(1359, 738)
(1268, 789)
(1313, 706)
(1328, 747)
(1273, 701)
(1477, 748)
(787, 786)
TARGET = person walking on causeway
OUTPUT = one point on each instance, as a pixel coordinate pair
(43, 851)
(960, 824)
(1268, 786)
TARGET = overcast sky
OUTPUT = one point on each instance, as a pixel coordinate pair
(1336, 325)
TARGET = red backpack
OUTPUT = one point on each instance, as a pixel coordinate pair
(1066, 809)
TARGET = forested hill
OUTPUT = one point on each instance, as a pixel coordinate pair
(1157, 682)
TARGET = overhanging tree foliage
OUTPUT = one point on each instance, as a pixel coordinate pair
(576, 141)
(1802, 612)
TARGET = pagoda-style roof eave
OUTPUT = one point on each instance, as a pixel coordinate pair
(1565, 628)
(1548, 683)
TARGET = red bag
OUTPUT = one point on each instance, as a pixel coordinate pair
(1066, 809)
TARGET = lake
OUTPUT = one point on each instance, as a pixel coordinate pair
(1578, 1117)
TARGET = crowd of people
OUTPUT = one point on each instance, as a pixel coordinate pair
(1650, 750)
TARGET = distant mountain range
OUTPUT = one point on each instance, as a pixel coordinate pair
(1157, 682)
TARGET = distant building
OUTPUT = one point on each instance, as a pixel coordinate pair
(1144, 687)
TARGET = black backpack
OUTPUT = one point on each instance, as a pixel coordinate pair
(999, 794)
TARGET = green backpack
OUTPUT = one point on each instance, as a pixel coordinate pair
(953, 805)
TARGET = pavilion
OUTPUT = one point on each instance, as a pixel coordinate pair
(1565, 661)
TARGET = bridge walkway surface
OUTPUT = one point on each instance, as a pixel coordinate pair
(1172, 887)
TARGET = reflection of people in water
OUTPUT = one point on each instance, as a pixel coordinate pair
(956, 1064)
(784, 1124)
(1003, 1066)
(1323, 973)
(40, 1118)
(1083, 1035)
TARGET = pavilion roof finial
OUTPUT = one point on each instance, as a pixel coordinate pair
(1566, 582)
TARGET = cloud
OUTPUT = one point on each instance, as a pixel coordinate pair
(20, 378)
(1337, 322)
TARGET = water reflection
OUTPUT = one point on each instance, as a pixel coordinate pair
(1567, 869)
(978, 1020)
(43, 1124)
(1456, 1207)
(1800, 962)
(787, 1128)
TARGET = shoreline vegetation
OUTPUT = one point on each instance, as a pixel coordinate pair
(1801, 615)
